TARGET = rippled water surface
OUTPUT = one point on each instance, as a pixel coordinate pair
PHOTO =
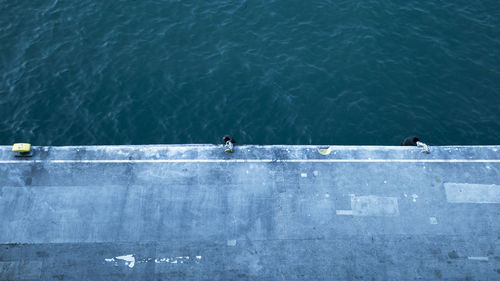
(268, 72)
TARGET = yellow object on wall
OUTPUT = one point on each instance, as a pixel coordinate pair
(21, 147)
(324, 151)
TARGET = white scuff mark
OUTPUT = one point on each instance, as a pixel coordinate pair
(304, 175)
(231, 243)
(488, 167)
(246, 171)
(110, 260)
(344, 212)
(198, 257)
(433, 220)
(327, 195)
(385, 181)
(175, 261)
(316, 173)
(478, 258)
(414, 196)
(130, 260)
(406, 195)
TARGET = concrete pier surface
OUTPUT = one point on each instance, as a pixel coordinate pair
(193, 212)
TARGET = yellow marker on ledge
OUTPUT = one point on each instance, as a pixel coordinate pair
(21, 147)
(324, 151)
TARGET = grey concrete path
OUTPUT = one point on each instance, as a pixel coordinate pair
(193, 212)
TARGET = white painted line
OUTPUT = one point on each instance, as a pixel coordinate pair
(478, 258)
(472, 193)
(105, 161)
(344, 212)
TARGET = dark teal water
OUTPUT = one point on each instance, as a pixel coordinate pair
(268, 72)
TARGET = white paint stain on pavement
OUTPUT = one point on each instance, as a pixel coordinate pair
(129, 260)
(414, 196)
(472, 193)
(175, 260)
(478, 258)
(371, 205)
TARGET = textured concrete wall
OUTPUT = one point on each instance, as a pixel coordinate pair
(262, 213)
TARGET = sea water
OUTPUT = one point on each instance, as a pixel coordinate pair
(267, 72)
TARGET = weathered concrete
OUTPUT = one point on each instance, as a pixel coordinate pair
(262, 213)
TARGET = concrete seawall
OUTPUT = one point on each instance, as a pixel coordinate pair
(170, 212)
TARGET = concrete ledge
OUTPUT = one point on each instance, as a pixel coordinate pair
(253, 152)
